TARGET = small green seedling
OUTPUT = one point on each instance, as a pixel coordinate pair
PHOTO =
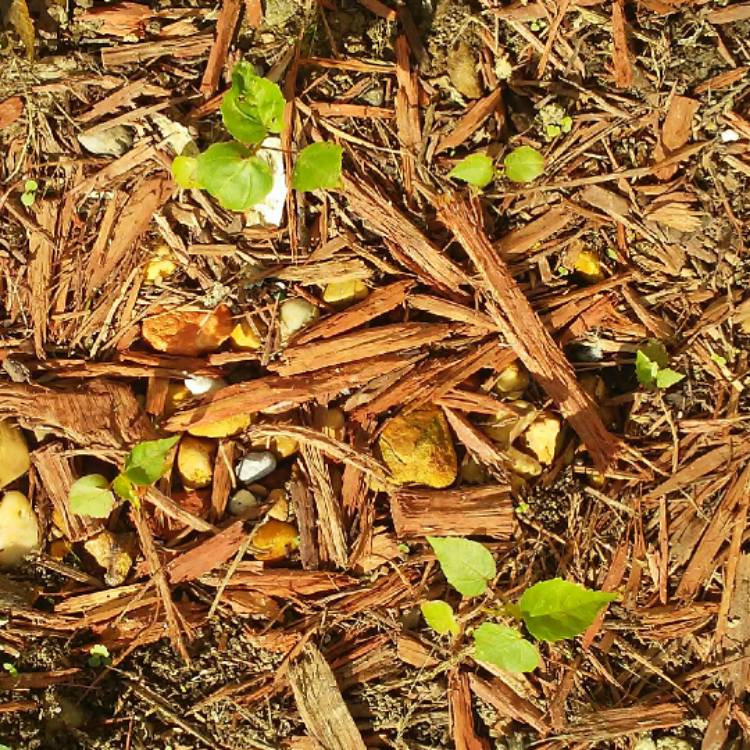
(4, 747)
(94, 495)
(550, 610)
(29, 192)
(99, 656)
(523, 164)
(10, 669)
(651, 366)
(478, 170)
(555, 121)
(237, 173)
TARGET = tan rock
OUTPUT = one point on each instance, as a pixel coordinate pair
(463, 70)
(331, 422)
(223, 428)
(274, 540)
(188, 333)
(296, 314)
(512, 380)
(113, 553)
(160, 266)
(14, 453)
(418, 449)
(542, 435)
(19, 529)
(246, 336)
(340, 294)
(195, 461)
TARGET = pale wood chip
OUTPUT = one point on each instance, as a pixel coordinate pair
(207, 555)
(179, 48)
(229, 15)
(609, 723)
(519, 241)
(508, 703)
(40, 274)
(324, 713)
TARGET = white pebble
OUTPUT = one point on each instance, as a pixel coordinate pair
(295, 314)
(729, 136)
(255, 466)
(241, 502)
(200, 385)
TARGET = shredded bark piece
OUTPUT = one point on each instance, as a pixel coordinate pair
(462, 716)
(229, 15)
(508, 703)
(609, 723)
(472, 120)
(208, 555)
(525, 332)
(468, 511)
(320, 704)
(360, 345)
(105, 414)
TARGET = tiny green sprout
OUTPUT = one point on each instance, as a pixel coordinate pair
(523, 164)
(404, 548)
(563, 271)
(94, 495)
(651, 368)
(612, 253)
(10, 669)
(478, 170)
(721, 361)
(537, 25)
(522, 508)
(4, 747)
(99, 656)
(29, 192)
(550, 610)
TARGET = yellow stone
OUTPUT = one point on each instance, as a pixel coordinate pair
(111, 553)
(587, 265)
(281, 446)
(244, 337)
(223, 428)
(14, 453)
(418, 449)
(160, 266)
(177, 396)
(512, 380)
(19, 529)
(195, 461)
(541, 437)
(343, 293)
(331, 422)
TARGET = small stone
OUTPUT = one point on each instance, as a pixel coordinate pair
(177, 395)
(270, 211)
(195, 461)
(19, 529)
(14, 453)
(241, 502)
(340, 294)
(200, 385)
(280, 508)
(281, 447)
(160, 266)
(587, 265)
(188, 333)
(113, 553)
(331, 422)
(542, 435)
(295, 314)
(644, 743)
(244, 337)
(274, 540)
(512, 380)
(462, 69)
(255, 466)
(418, 449)
(523, 464)
(223, 428)
(114, 141)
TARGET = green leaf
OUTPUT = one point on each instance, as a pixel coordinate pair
(30, 186)
(505, 648)
(253, 107)
(183, 171)
(439, 616)
(557, 609)
(10, 669)
(468, 566)
(318, 167)
(523, 164)
(645, 369)
(242, 126)
(656, 352)
(234, 176)
(4, 747)
(91, 496)
(124, 488)
(147, 461)
(27, 199)
(668, 377)
(476, 169)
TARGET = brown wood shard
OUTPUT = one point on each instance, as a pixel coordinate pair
(466, 126)
(614, 722)
(105, 414)
(263, 393)
(411, 246)
(324, 713)
(482, 511)
(525, 332)
(225, 26)
(462, 717)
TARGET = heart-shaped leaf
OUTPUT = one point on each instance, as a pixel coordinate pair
(91, 496)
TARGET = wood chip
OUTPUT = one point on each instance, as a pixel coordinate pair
(468, 511)
(323, 711)
(462, 716)
(208, 555)
(621, 57)
(606, 724)
(525, 332)
(40, 274)
(507, 703)
(471, 121)
(519, 241)
(10, 110)
(729, 14)
(229, 15)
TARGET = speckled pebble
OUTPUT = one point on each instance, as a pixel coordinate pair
(255, 466)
